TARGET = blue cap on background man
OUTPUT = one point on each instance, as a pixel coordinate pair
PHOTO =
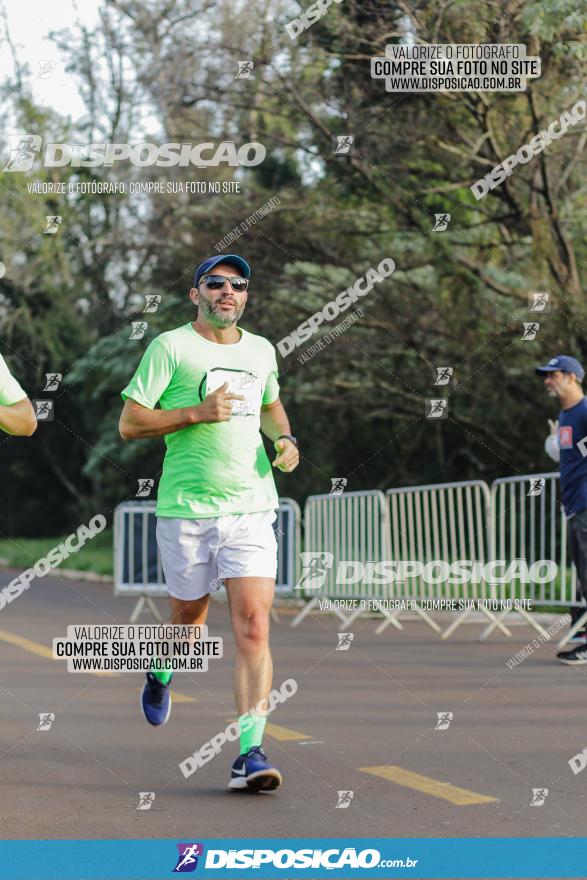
(233, 259)
(565, 363)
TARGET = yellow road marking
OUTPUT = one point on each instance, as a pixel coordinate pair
(182, 698)
(36, 648)
(459, 796)
(282, 733)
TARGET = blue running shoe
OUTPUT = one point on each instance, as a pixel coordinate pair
(156, 701)
(253, 772)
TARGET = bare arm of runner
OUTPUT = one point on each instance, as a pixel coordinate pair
(274, 422)
(137, 422)
(19, 418)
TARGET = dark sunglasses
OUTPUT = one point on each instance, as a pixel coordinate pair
(216, 282)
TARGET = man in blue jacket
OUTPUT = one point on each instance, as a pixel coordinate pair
(563, 376)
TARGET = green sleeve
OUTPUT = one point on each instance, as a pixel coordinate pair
(10, 390)
(152, 376)
(271, 391)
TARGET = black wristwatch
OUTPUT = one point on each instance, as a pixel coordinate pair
(287, 437)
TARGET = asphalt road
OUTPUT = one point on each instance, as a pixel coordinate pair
(362, 720)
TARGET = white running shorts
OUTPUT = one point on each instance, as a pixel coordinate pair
(195, 553)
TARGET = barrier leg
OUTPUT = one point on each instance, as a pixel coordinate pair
(348, 621)
(495, 621)
(305, 611)
(426, 617)
(145, 600)
(575, 627)
(391, 619)
(525, 614)
(456, 622)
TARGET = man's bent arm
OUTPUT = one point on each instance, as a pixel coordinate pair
(19, 418)
(274, 420)
(138, 421)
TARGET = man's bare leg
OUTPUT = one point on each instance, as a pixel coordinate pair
(250, 604)
(250, 601)
(190, 612)
(156, 698)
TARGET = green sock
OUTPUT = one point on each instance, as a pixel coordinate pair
(163, 675)
(252, 728)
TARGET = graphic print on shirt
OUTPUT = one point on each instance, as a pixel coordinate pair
(240, 382)
(565, 437)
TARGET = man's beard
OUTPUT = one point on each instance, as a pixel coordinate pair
(215, 316)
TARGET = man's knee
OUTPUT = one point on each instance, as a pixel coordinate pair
(252, 630)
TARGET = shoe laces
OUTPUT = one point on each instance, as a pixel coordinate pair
(157, 689)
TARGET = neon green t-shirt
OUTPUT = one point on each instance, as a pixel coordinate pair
(10, 390)
(212, 468)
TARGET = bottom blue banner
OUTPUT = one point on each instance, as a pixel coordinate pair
(299, 857)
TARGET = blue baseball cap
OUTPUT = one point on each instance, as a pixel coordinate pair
(210, 262)
(565, 363)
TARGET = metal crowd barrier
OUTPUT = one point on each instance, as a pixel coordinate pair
(518, 518)
(137, 565)
(442, 521)
(527, 522)
(351, 526)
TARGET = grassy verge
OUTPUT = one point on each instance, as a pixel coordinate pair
(95, 555)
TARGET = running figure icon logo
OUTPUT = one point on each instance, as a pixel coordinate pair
(343, 144)
(44, 410)
(437, 408)
(46, 719)
(146, 799)
(536, 486)
(344, 799)
(338, 485)
(152, 302)
(315, 567)
(539, 302)
(23, 151)
(530, 330)
(245, 69)
(443, 376)
(539, 795)
(52, 381)
(138, 329)
(187, 860)
(441, 222)
(53, 223)
(444, 719)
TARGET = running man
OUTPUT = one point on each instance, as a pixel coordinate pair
(563, 376)
(17, 415)
(217, 387)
